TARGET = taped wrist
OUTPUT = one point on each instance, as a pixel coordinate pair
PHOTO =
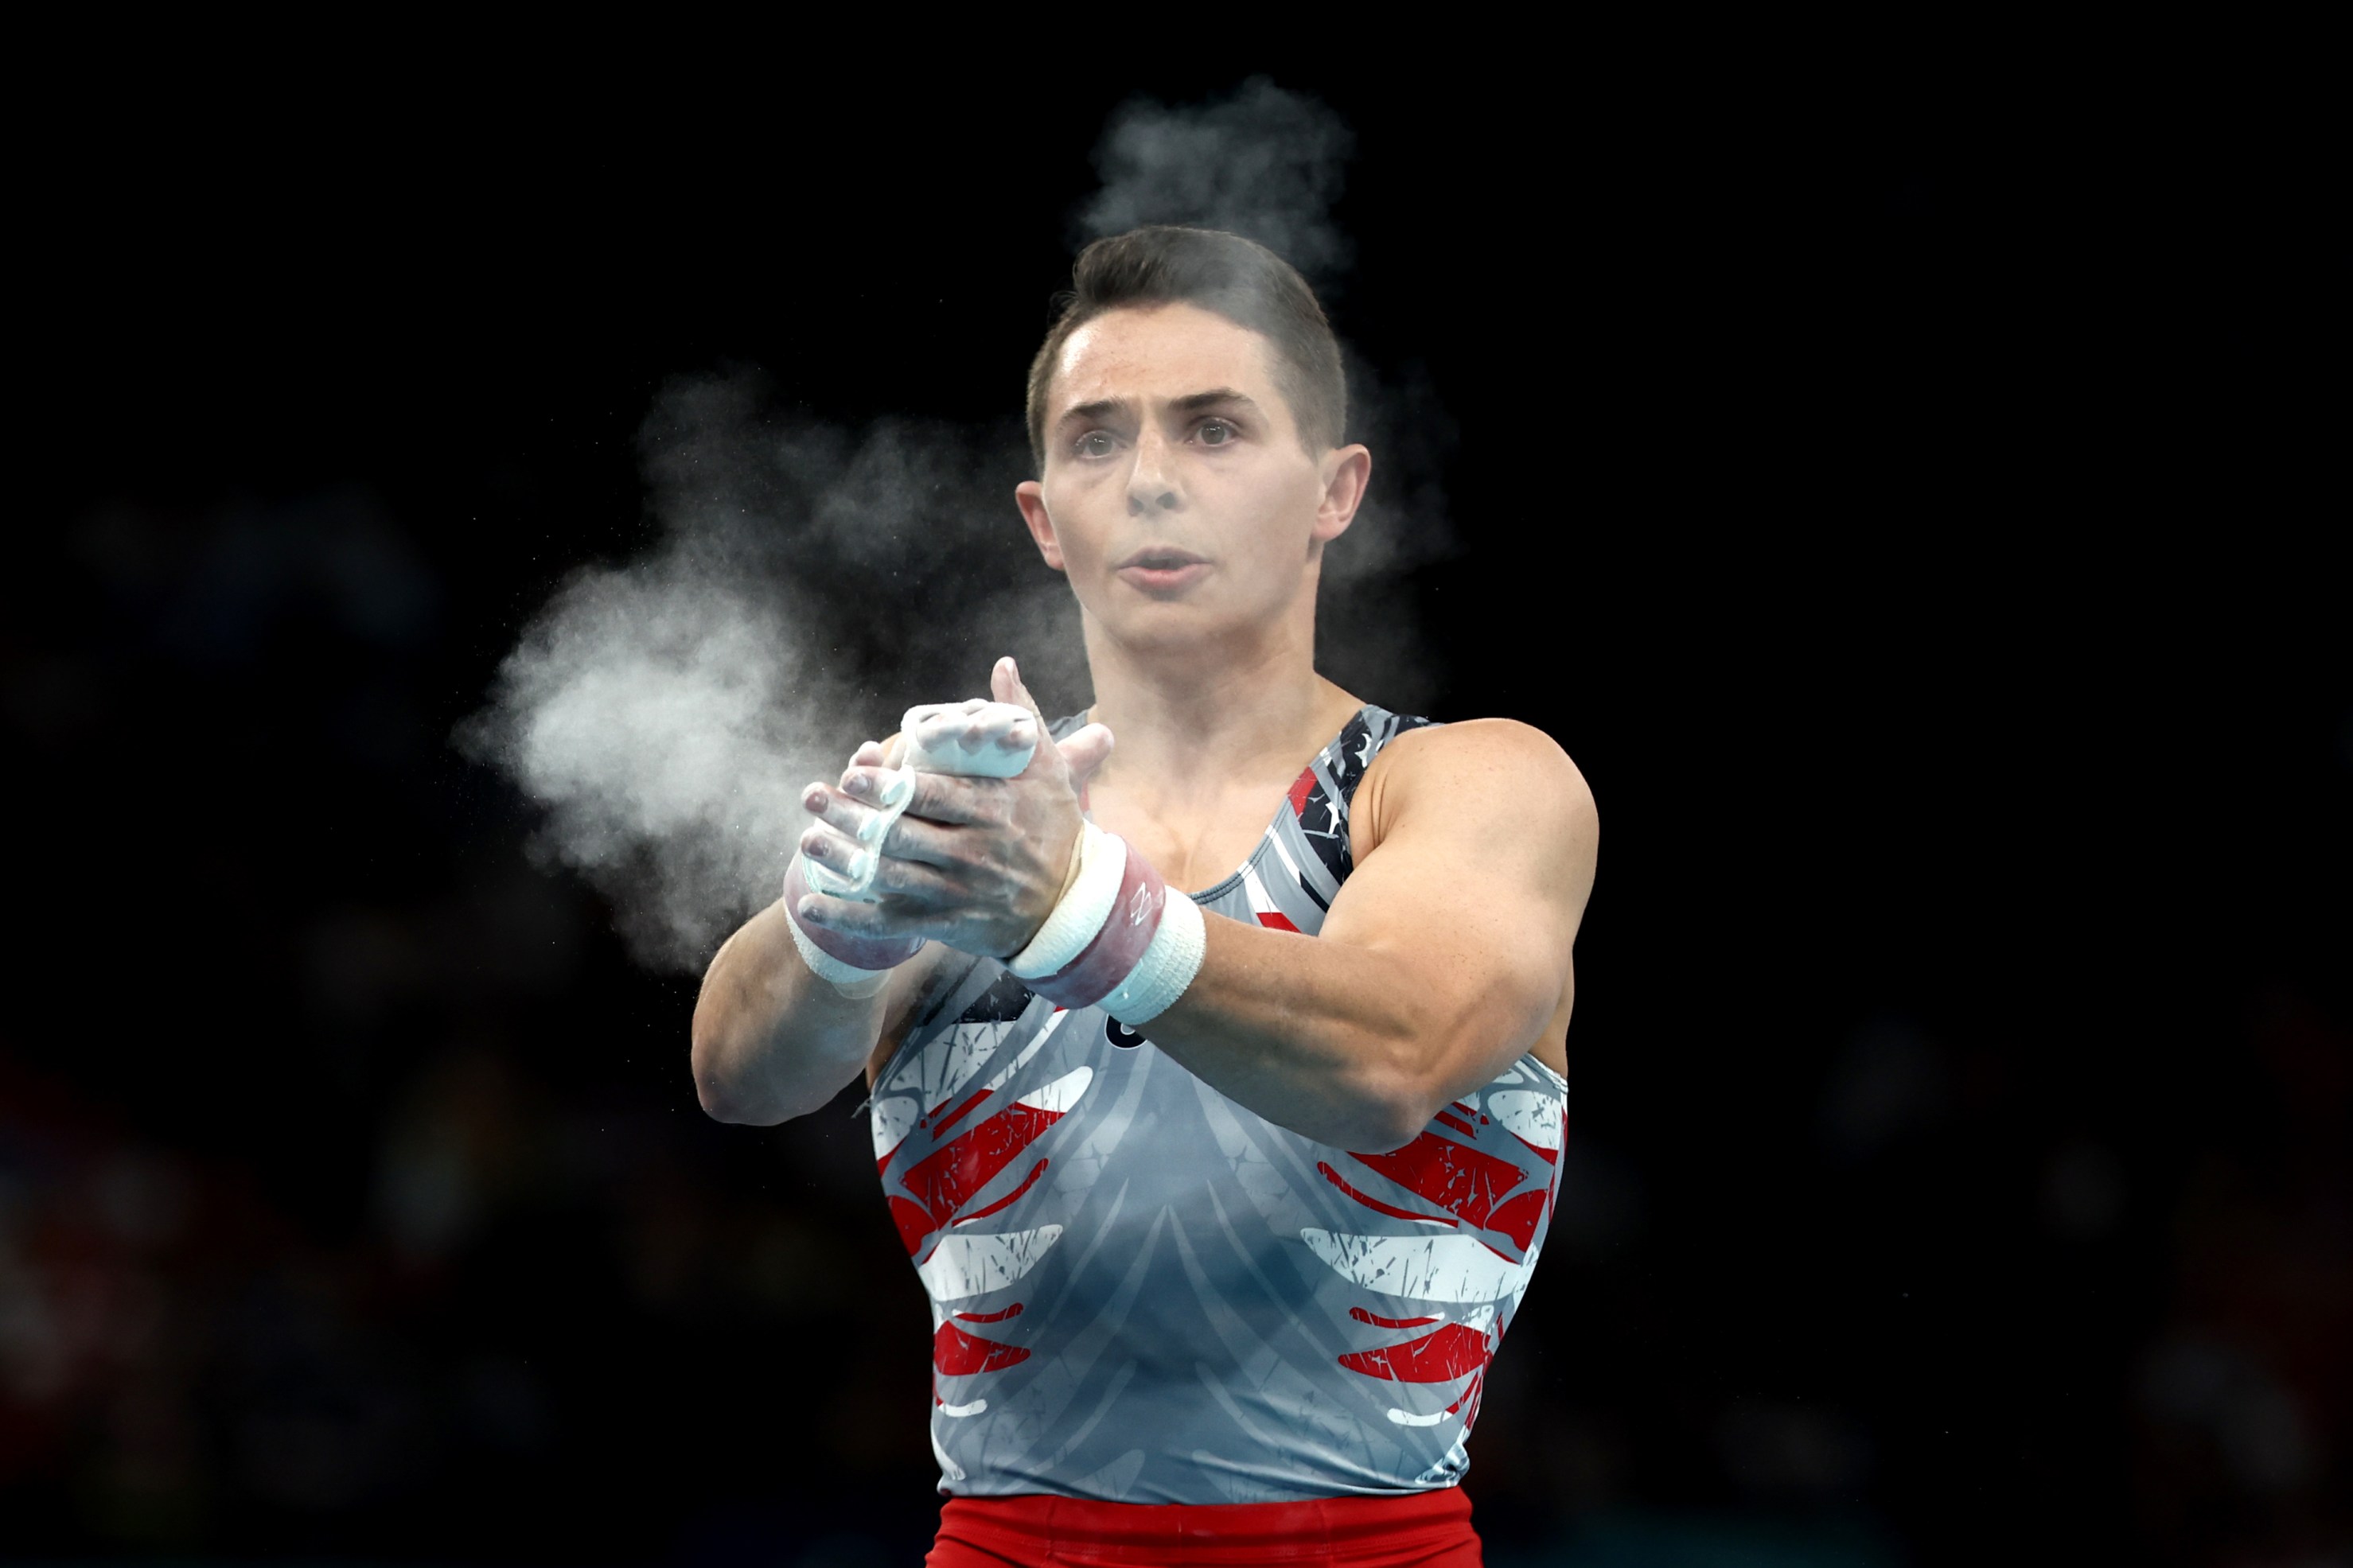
(855, 965)
(1085, 904)
(1170, 961)
(1116, 937)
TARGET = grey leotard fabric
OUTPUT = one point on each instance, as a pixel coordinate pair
(1143, 1292)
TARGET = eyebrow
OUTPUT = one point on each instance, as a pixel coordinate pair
(1224, 394)
(1192, 402)
(1079, 412)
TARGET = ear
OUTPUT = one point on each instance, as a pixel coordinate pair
(1346, 471)
(1031, 496)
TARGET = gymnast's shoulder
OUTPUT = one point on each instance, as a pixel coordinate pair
(1476, 771)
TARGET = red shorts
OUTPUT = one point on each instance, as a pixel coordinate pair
(1413, 1530)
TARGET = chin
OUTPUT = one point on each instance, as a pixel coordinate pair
(1173, 628)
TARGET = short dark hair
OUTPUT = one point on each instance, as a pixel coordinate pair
(1238, 278)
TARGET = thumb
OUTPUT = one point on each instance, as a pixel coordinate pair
(1005, 684)
(1083, 751)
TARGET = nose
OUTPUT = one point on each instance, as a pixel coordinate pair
(1152, 483)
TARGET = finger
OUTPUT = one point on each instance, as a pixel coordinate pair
(1007, 682)
(872, 754)
(932, 795)
(835, 850)
(852, 918)
(1083, 751)
(1004, 728)
(913, 891)
(883, 789)
(837, 810)
(911, 839)
(945, 731)
(1003, 725)
(957, 802)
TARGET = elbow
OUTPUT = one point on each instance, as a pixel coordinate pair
(1395, 1103)
(723, 1104)
(1391, 1112)
(723, 1094)
(1391, 1126)
(723, 1101)
(1361, 1117)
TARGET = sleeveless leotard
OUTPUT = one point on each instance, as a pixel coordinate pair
(1143, 1292)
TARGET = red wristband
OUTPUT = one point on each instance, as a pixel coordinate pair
(1113, 954)
(858, 951)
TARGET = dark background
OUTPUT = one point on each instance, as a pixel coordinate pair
(1901, 504)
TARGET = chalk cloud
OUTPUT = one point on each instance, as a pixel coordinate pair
(1262, 161)
(809, 584)
(808, 581)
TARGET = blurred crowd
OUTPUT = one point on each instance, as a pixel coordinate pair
(554, 1326)
(2243, 1395)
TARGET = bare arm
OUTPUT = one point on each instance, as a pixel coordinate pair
(771, 1041)
(1446, 955)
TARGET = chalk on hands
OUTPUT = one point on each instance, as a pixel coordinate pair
(976, 738)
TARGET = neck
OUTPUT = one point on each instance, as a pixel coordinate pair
(1205, 715)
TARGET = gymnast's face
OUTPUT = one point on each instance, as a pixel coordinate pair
(1177, 495)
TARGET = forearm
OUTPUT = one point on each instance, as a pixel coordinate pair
(771, 1041)
(1446, 955)
(1355, 1046)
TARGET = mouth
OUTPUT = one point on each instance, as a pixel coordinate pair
(1160, 558)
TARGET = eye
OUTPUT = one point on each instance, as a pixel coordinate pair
(1093, 444)
(1215, 433)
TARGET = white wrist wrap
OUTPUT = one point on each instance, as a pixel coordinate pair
(1102, 861)
(1166, 967)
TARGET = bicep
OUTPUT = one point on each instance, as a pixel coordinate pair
(1485, 838)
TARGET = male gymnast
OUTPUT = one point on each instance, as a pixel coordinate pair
(1223, 1202)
